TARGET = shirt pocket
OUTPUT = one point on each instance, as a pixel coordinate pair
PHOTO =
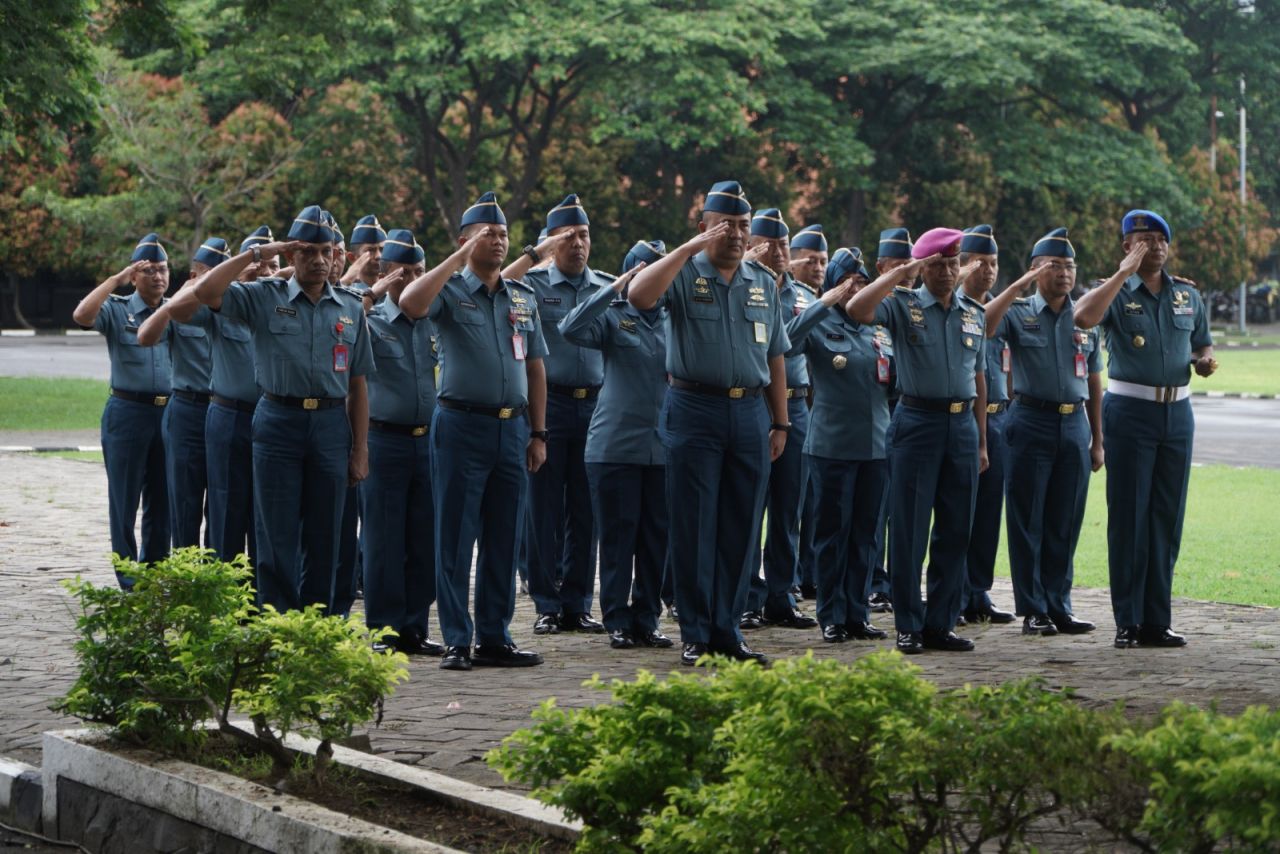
(1034, 340)
(387, 348)
(129, 350)
(916, 336)
(1134, 323)
(704, 320)
(187, 331)
(235, 332)
(283, 324)
(467, 316)
(1184, 321)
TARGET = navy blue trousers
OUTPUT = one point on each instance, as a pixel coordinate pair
(399, 533)
(788, 482)
(851, 498)
(717, 477)
(133, 450)
(480, 487)
(805, 573)
(1049, 470)
(228, 441)
(984, 538)
(562, 542)
(1148, 456)
(350, 557)
(880, 582)
(299, 490)
(184, 453)
(631, 503)
(934, 463)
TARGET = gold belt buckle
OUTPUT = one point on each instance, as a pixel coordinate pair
(791, 393)
(505, 412)
(957, 407)
(737, 392)
(579, 394)
(419, 431)
(311, 403)
(161, 400)
(993, 408)
(1066, 408)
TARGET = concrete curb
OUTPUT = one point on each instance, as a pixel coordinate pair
(79, 332)
(21, 797)
(18, 333)
(47, 449)
(1236, 395)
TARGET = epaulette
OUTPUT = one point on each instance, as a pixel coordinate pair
(118, 298)
(604, 277)
(519, 283)
(273, 280)
(350, 291)
(904, 289)
(1017, 300)
(1182, 280)
(973, 302)
(808, 287)
(765, 269)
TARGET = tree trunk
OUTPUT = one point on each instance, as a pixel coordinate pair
(13, 292)
(855, 221)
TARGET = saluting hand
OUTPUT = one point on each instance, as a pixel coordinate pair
(380, 287)
(755, 253)
(547, 247)
(279, 247)
(840, 294)
(127, 273)
(1133, 260)
(703, 239)
(620, 283)
(464, 251)
(912, 268)
(968, 270)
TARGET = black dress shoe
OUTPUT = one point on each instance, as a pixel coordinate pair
(654, 638)
(1038, 624)
(751, 620)
(809, 591)
(386, 647)
(910, 643)
(946, 641)
(504, 655)
(989, 614)
(416, 643)
(1159, 636)
(620, 639)
(456, 658)
(796, 591)
(834, 634)
(865, 631)
(1069, 625)
(547, 624)
(961, 621)
(691, 653)
(581, 623)
(1126, 637)
(790, 619)
(742, 652)
(880, 604)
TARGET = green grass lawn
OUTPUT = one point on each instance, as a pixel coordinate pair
(86, 456)
(43, 403)
(1239, 370)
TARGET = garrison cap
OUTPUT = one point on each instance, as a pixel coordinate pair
(485, 210)
(938, 240)
(1054, 245)
(311, 226)
(333, 226)
(212, 252)
(646, 251)
(769, 223)
(810, 237)
(1140, 220)
(843, 263)
(401, 248)
(568, 212)
(894, 243)
(149, 249)
(979, 240)
(726, 197)
(367, 230)
(262, 234)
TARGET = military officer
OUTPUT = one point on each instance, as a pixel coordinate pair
(852, 377)
(979, 253)
(1052, 446)
(769, 600)
(1157, 331)
(893, 250)
(141, 383)
(937, 434)
(624, 455)
(364, 253)
(311, 349)
(724, 353)
(491, 373)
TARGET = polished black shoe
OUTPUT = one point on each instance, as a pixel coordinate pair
(1126, 637)
(865, 631)
(880, 604)
(1038, 624)
(619, 639)
(581, 623)
(946, 641)
(796, 592)
(416, 643)
(989, 614)
(1160, 636)
(793, 618)
(834, 634)
(504, 655)
(691, 653)
(456, 658)
(547, 624)
(910, 643)
(961, 621)
(654, 638)
(1068, 625)
(386, 647)
(809, 591)
(742, 652)
(751, 620)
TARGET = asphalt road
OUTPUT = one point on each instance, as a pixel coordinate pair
(1228, 430)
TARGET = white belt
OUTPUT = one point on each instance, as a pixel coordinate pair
(1158, 393)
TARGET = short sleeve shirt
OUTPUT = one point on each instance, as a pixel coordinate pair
(557, 295)
(938, 349)
(1045, 346)
(1150, 337)
(403, 390)
(146, 370)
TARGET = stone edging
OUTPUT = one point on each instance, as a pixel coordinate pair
(20, 796)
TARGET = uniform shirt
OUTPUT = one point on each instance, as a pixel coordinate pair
(557, 295)
(147, 370)
(403, 391)
(723, 334)
(192, 352)
(1150, 338)
(1045, 346)
(993, 368)
(294, 339)
(795, 298)
(233, 374)
(937, 349)
(475, 331)
(624, 426)
(850, 405)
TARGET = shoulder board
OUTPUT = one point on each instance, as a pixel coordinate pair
(1021, 300)
(119, 298)
(273, 280)
(805, 286)
(761, 267)
(1182, 280)
(904, 289)
(603, 276)
(971, 301)
(350, 291)
(519, 283)
(619, 302)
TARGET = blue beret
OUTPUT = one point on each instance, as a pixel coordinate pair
(262, 234)
(726, 197)
(1140, 220)
(212, 252)
(333, 226)
(769, 223)
(568, 212)
(894, 243)
(367, 230)
(979, 240)
(485, 210)
(648, 252)
(310, 226)
(1054, 244)
(810, 237)
(401, 248)
(843, 263)
(149, 249)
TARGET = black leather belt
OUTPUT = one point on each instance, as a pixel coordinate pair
(193, 396)
(138, 397)
(1050, 405)
(997, 408)
(307, 403)
(502, 413)
(735, 392)
(938, 404)
(800, 391)
(590, 392)
(238, 405)
(398, 429)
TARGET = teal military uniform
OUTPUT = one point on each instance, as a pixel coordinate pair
(183, 427)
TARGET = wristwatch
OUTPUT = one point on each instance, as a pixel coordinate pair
(785, 428)
(539, 434)
(532, 253)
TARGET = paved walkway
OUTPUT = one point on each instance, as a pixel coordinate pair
(53, 525)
